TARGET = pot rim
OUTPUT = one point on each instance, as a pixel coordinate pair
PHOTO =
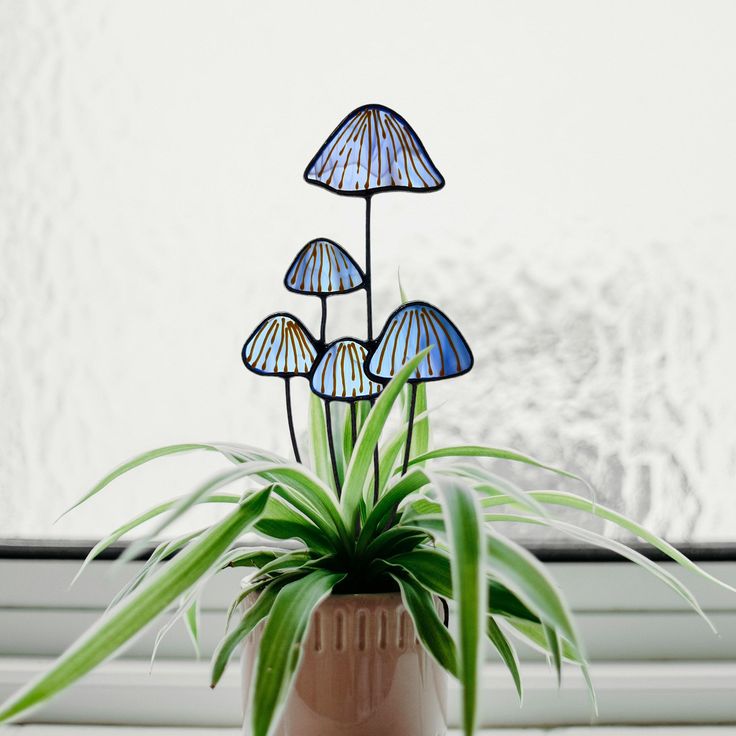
(393, 593)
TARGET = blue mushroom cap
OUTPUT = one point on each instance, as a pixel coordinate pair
(322, 267)
(280, 346)
(339, 373)
(373, 150)
(409, 330)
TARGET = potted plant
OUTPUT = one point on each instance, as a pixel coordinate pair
(343, 619)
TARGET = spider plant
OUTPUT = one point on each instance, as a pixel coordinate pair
(436, 531)
(367, 515)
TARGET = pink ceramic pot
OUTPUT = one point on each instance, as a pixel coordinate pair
(363, 673)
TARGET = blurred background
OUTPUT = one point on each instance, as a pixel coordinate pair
(151, 199)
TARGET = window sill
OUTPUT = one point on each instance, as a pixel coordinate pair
(175, 693)
(653, 661)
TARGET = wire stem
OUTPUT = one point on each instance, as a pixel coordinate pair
(409, 431)
(369, 325)
(290, 419)
(323, 323)
(331, 444)
(353, 423)
(376, 475)
(368, 281)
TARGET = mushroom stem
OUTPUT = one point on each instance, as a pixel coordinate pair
(369, 325)
(323, 323)
(331, 445)
(368, 284)
(353, 423)
(376, 475)
(412, 409)
(290, 419)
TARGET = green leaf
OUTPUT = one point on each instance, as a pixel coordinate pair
(431, 568)
(520, 571)
(362, 409)
(121, 624)
(254, 587)
(295, 483)
(533, 633)
(294, 558)
(553, 645)
(496, 486)
(280, 650)
(152, 513)
(502, 602)
(319, 449)
(192, 619)
(307, 493)
(430, 629)
(338, 413)
(467, 559)
(422, 507)
(370, 433)
(146, 457)
(571, 500)
(493, 452)
(162, 552)
(252, 617)
(599, 540)
(187, 608)
(192, 596)
(402, 293)
(381, 512)
(281, 521)
(394, 541)
(390, 456)
(506, 651)
(420, 433)
(256, 556)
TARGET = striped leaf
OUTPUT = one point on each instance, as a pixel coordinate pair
(467, 558)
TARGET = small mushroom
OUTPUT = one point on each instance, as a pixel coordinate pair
(281, 346)
(323, 268)
(410, 329)
(339, 375)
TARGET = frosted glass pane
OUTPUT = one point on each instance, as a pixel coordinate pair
(151, 200)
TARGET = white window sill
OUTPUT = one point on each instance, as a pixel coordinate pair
(653, 662)
(175, 693)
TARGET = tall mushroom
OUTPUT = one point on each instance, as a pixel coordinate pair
(323, 268)
(339, 375)
(281, 346)
(373, 150)
(413, 327)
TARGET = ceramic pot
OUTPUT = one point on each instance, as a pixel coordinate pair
(363, 673)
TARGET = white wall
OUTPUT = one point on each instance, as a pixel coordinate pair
(151, 198)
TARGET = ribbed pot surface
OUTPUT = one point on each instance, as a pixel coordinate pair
(363, 673)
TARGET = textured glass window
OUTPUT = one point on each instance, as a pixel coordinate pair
(151, 199)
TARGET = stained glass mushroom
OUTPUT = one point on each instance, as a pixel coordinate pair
(323, 268)
(281, 346)
(339, 375)
(410, 329)
(373, 150)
